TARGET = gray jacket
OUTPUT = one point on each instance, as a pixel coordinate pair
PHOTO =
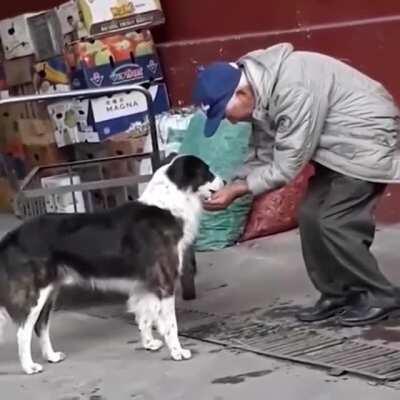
(313, 107)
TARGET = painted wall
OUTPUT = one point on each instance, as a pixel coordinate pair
(364, 34)
(360, 32)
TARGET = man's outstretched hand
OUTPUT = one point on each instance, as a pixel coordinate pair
(224, 197)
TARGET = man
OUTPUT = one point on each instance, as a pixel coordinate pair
(306, 107)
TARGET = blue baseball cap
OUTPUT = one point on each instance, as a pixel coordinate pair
(215, 85)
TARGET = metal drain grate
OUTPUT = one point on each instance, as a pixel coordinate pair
(294, 344)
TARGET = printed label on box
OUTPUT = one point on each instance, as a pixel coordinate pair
(127, 112)
(118, 106)
(114, 60)
(146, 68)
(102, 16)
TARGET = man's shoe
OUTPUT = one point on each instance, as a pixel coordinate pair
(364, 315)
(325, 308)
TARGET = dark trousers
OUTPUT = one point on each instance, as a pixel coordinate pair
(337, 228)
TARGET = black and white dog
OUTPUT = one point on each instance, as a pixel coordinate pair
(136, 249)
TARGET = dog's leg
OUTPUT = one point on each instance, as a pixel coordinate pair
(168, 328)
(4, 317)
(42, 329)
(146, 310)
(188, 274)
(24, 333)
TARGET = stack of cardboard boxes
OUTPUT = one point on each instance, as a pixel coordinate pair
(79, 44)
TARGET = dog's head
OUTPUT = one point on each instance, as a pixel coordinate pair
(193, 175)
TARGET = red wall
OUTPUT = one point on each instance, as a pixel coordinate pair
(200, 31)
(363, 33)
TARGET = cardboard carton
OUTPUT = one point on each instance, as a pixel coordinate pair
(115, 60)
(70, 121)
(36, 132)
(68, 14)
(19, 71)
(7, 195)
(3, 81)
(127, 112)
(51, 76)
(10, 140)
(39, 155)
(63, 203)
(102, 16)
(36, 34)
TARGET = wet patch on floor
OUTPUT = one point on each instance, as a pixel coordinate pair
(221, 286)
(70, 398)
(384, 334)
(190, 345)
(235, 379)
(216, 350)
(281, 312)
(251, 311)
(329, 325)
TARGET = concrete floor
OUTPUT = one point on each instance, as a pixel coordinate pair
(263, 278)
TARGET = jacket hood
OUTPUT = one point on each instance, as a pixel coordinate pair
(262, 70)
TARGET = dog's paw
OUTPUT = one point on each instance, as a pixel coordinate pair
(56, 357)
(181, 354)
(154, 345)
(33, 369)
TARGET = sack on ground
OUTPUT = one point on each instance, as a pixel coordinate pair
(224, 153)
(276, 211)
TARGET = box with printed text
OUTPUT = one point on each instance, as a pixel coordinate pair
(127, 112)
(102, 16)
(114, 60)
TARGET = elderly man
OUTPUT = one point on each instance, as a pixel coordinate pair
(308, 107)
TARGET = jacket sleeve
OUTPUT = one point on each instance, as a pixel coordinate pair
(260, 150)
(299, 117)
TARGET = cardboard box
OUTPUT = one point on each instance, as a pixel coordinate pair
(36, 34)
(36, 132)
(39, 155)
(118, 145)
(7, 195)
(124, 144)
(68, 14)
(51, 76)
(8, 171)
(15, 37)
(115, 60)
(70, 121)
(127, 112)
(10, 141)
(63, 203)
(90, 151)
(19, 71)
(102, 16)
(3, 81)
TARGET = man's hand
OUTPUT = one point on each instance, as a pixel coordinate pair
(223, 198)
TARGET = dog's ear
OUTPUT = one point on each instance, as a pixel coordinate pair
(168, 159)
